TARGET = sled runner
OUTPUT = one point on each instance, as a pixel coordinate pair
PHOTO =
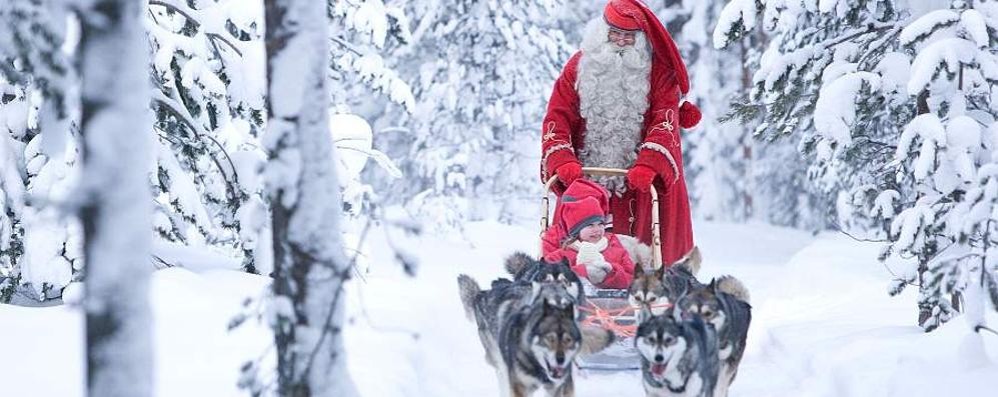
(608, 308)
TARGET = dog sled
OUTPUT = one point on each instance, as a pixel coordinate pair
(609, 309)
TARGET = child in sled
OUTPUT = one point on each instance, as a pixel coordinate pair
(592, 252)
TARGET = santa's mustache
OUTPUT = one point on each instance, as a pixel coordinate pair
(631, 57)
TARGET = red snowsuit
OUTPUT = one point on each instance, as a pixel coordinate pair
(563, 135)
(622, 267)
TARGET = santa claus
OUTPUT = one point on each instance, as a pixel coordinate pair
(617, 104)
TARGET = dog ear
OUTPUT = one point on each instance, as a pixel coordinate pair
(660, 272)
(565, 267)
(713, 285)
(535, 290)
(639, 271)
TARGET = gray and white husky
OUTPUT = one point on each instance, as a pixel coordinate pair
(678, 357)
(529, 331)
(652, 291)
(724, 303)
(525, 269)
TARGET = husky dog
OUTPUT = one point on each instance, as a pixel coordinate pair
(724, 303)
(529, 332)
(525, 269)
(488, 307)
(678, 358)
(538, 345)
(652, 292)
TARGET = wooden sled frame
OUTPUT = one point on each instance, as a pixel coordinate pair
(656, 239)
(608, 308)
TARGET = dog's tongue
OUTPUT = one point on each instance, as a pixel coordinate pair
(658, 369)
(557, 372)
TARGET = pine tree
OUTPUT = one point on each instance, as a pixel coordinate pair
(718, 154)
(115, 199)
(39, 243)
(309, 266)
(943, 216)
(208, 69)
(11, 193)
(366, 38)
(818, 87)
(484, 70)
(894, 112)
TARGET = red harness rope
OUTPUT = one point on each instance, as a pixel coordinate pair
(607, 318)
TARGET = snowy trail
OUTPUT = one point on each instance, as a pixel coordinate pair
(822, 326)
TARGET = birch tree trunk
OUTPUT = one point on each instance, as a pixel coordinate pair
(309, 265)
(115, 197)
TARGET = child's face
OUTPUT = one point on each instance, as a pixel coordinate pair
(592, 233)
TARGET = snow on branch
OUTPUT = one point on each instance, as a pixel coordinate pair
(835, 110)
(946, 54)
(928, 24)
(737, 18)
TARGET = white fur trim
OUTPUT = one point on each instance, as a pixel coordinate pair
(640, 253)
(661, 149)
(555, 148)
(599, 246)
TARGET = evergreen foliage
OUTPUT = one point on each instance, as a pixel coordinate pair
(893, 113)
(482, 74)
(943, 216)
(207, 65)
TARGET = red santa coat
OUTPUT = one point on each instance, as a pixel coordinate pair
(563, 135)
(622, 268)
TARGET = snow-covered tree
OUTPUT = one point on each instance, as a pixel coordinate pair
(39, 242)
(11, 189)
(310, 268)
(482, 71)
(892, 104)
(827, 83)
(32, 36)
(366, 36)
(718, 155)
(944, 216)
(114, 198)
(209, 71)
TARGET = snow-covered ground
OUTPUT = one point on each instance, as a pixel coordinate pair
(823, 325)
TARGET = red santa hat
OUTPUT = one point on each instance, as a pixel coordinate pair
(634, 15)
(576, 215)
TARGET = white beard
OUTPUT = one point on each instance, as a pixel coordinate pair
(613, 90)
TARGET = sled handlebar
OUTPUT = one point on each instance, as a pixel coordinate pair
(656, 238)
